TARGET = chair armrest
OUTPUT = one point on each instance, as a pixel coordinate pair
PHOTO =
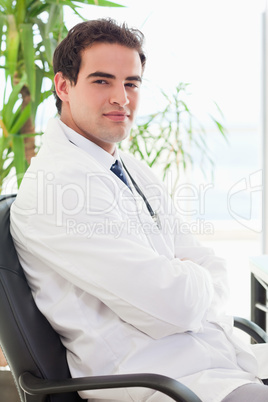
(252, 329)
(177, 391)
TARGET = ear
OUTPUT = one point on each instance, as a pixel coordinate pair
(62, 85)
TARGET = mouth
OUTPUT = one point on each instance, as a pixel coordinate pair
(117, 116)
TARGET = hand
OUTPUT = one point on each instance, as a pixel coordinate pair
(3, 362)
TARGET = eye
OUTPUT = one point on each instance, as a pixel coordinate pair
(100, 82)
(131, 85)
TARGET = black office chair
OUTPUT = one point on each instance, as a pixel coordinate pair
(34, 352)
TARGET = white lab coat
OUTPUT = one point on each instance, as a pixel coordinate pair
(124, 296)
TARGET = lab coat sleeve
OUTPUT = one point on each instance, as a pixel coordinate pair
(188, 247)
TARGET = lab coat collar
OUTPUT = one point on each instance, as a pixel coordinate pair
(90, 147)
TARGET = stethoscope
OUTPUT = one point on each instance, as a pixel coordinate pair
(153, 214)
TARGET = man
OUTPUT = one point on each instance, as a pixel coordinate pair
(100, 241)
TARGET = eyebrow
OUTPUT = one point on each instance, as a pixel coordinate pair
(101, 74)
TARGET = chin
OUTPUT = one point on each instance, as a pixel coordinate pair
(123, 137)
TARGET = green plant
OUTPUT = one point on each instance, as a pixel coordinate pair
(29, 32)
(169, 137)
(12, 141)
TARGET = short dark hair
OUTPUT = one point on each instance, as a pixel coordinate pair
(67, 56)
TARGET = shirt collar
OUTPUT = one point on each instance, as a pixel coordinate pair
(90, 147)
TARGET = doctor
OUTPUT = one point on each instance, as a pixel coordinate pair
(102, 245)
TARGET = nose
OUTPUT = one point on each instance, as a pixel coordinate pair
(119, 96)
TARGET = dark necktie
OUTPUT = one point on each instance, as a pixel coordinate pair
(117, 169)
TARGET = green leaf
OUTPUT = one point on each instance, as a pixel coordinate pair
(3, 150)
(38, 86)
(12, 45)
(21, 120)
(220, 127)
(105, 3)
(9, 106)
(102, 3)
(20, 11)
(26, 32)
(219, 109)
(8, 167)
(36, 8)
(7, 6)
(55, 14)
(19, 157)
(79, 15)
(48, 42)
(2, 23)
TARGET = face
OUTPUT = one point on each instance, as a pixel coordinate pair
(102, 105)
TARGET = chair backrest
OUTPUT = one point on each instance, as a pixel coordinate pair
(28, 340)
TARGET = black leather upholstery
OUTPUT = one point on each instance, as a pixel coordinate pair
(28, 340)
